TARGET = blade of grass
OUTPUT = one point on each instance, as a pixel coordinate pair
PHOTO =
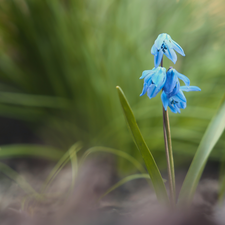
(61, 163)
(74, 166)
(21, 150)
(33, 100)
(19, 180)
(150, 163)
(125, 180)
(115, 152)
(210, 138)
(27, 114)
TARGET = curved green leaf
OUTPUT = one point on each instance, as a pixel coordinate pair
(150, 163)
(23, 184)
(23, 150)
(61, 163)
(74, 165)
(210, 138)
(125, 180)
(115, 152)
(33, 100)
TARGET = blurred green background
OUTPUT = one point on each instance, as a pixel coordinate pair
(60, 61)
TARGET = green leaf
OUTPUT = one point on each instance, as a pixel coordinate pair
(19, 180)
(150, 163)
(115, 152)
(33, 100)
(125, 180)
(69, 155)
(23, 150)
(210, 138)
(74, 165)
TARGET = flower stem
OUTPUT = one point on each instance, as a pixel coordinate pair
(169, 154)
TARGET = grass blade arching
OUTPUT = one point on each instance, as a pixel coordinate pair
(19, 180)
(61, 163)
(125, 180)
(119, 153)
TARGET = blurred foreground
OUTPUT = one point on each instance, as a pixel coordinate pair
(132, 203)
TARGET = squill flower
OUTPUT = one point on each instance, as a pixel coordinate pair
(177, 101)
(172, 84)
(154, 81)
(165, 45)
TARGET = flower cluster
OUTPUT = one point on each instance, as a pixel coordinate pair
(158, 79)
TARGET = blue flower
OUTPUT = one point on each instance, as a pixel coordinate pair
(165, 45)
(172, 84)
(177, 101)
(154, 81)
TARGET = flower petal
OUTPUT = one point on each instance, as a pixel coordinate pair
(182, 105)
(165, 100)
(177, 48)
(168, 41)
(153, 49)
(175, 90)
(170, 54)
(158, 88)
(177, 108)
(150, 91)
(171, 81)
(147, 72)
(159, 76)
(158, 58)
(179, 97)
(144, 90)
(154, 92)
(190, 88)
(172, 108)
(182, 77)
(159, 41)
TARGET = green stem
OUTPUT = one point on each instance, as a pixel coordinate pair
(169, 154)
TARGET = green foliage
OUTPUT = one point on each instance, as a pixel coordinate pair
(210, 138)
(60, 61)
(69, 155)
(125, 180)
(149, 160)
(19, 180)
(37, 151)
(116, 152)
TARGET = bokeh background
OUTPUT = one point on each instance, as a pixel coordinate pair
(60, 61)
